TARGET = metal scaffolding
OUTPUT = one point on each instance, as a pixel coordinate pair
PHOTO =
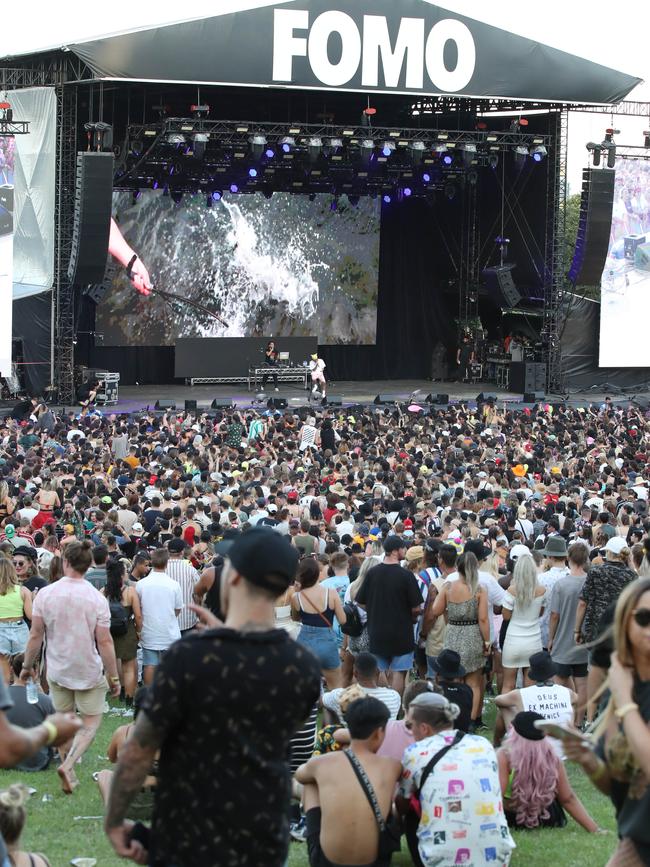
(554, 278)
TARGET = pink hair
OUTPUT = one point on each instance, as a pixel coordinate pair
(534, 786)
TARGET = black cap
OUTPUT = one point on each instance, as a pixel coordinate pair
(476, 547)
(541, 667)
(394, 543)
(447, 665)
(263, 557)
(26, 551)
(524, 725)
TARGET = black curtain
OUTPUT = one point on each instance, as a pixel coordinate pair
(143, 365)
(32, 318)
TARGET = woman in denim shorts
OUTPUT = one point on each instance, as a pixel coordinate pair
(15, 605)
(316, 607)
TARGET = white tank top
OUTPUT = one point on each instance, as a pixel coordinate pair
(553, 702)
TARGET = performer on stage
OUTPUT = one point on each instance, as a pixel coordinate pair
(87, 394)
(271, 360)
(465, 357)
(317, 368)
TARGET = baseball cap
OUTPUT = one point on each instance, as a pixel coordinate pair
(123, 502)
(263, 558)
(27, 551)
(137, 527)
(106, 500)
(616, 544)
(272, 507)
(394, 543)
(176, 546)
(518, 551)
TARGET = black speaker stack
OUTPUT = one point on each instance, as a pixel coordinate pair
(92, 218)
(594, 226)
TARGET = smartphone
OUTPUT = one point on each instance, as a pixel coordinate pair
(561, 732)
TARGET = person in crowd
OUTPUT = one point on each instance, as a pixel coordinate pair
(535, 786)
(73, 619)
(465, 605)
(97, 572)
(337, 788)
(619, 766)
(126, 626)
(555, 554)
(161, 602)
(522, 609)
(28, 715)
(570, 658)
(13, 818)
(25, 561)
(442, 763)
(315, 608)
(186, 576)
(236, 798)
(449, 677)
(15, 608)
(393, 602)
(434, 627)
(366, 674)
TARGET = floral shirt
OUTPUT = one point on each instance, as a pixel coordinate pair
(603, 585)
(462, 818)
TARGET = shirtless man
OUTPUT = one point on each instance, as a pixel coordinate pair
(341, 826)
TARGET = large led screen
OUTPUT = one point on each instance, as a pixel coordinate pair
(289, 265)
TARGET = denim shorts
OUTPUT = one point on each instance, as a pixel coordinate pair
(151, 657)
(395, 663)
(322, 643)
(13, 637)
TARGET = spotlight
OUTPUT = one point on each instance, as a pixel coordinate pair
(234, 188)
(450, 191)
(521, 153)
(493, 161)
(426, 177)
(270, 153)
(388, 148)
(538, 153)
(469, 153)
(447, 159)
(387, 198)
(367, 150)
(217, 195)
(314, 148)
(199, 142)
(407, 191)
(646, 135)
(609, 145)
(332, 145)
(252, 173)
(257, 144)
(155, 185)
(595, 149)
(176, 138)
(287, 143)
(417, 149)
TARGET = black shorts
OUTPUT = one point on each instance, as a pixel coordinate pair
(314, 851)
(581, 670)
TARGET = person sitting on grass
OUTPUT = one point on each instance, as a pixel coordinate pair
(535, 787)
(12, 822)
(27, 715)
(341, 829)
(142, 806)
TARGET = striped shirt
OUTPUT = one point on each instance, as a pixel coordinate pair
(186, 576)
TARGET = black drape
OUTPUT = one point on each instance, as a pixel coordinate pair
(32, 318)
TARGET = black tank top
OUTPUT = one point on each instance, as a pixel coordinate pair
(213, 595)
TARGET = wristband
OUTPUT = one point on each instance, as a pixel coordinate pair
(52, 731)
(114, 679)
(129, 267)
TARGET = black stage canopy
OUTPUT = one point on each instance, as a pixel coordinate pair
(374, 46)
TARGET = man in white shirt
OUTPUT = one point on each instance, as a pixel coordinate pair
(161, 601)
(126, 518)
(27, 511)
(556, 553)
(366, 674)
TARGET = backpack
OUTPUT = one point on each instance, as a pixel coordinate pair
(119, 619)
(353, 625)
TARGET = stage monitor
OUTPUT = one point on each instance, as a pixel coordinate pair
(291, 265)
(625, 283)
(7, 165)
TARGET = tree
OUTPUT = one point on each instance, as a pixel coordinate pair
(572, 220)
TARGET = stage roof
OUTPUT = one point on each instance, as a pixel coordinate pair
(373, 46)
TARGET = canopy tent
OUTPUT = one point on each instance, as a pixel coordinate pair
(406, 47)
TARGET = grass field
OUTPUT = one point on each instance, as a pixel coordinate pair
(58, 827)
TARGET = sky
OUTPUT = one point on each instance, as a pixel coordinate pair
(598, 30)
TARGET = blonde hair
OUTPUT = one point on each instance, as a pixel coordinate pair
(524, 580)
(352, 693)
(468, 569)
(367, 564)
(8, 577)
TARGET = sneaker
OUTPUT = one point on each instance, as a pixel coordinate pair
(298, 830)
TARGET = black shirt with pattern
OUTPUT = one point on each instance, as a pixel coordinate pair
(603, 585)
(227, 704)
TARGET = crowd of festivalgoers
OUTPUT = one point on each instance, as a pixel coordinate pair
(303, 617)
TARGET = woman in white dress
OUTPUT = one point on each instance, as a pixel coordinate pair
(522, 608)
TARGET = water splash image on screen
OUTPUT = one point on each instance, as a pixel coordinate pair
(285, 266)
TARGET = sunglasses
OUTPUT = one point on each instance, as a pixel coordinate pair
(642, 617)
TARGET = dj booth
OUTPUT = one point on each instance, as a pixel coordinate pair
(288, 373)
(240, 359)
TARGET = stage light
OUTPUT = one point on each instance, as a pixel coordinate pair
(595, 149)
(388, 148)
(426, 177)
(252, 173)
(407, 191)
(521, 154)
(387, 198)
(538, 153)
(155, 185)
(493, 161)
(314, 148)
(469, 153)
(199, 142)
(332, 145)
(234, 188)
(257, 144)
(417, 149)
(367, 150)
(472, 177)
(270, 153)
(287, 143)
(447, 159)
(175, 138)
(646, 138)
(216, 196)
(450, 191)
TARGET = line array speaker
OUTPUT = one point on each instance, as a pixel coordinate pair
(92, 218)
(594, 226)
(501, 286)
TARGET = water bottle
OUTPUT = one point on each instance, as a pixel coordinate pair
(32, 692)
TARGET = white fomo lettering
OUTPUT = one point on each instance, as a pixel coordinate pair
(373, 50)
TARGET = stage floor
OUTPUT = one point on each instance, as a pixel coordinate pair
(134, 398)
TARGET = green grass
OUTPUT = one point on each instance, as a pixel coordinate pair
(52, 827)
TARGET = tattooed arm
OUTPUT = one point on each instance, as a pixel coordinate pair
(134, 765)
